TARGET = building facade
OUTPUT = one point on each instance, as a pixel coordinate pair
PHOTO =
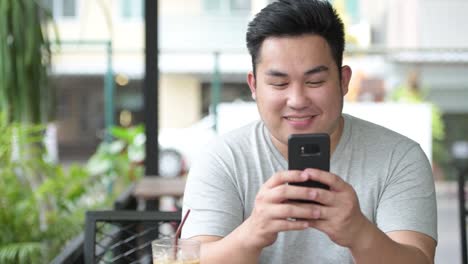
(396, 37)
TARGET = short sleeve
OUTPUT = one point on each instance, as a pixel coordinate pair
(211, 194)
(408, 201)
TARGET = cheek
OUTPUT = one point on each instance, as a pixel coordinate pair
(334, 106)
(331, 96)
(271, 100)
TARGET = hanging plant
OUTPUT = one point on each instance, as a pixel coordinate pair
(26, 106)
(25, 55)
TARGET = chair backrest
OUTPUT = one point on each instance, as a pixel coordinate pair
(125, 236)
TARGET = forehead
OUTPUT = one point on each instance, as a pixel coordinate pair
(300, 50)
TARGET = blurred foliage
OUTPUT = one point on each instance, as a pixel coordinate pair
(25, 55)
(43, 204)
(121, 160)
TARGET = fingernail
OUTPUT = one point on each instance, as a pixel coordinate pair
(312, 174)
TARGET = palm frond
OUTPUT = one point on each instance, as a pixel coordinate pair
(20, 252)
(25, 94)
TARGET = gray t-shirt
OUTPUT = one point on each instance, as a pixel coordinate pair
(389, 172)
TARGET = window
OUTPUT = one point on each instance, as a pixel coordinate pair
(68, 8)
(226, 6)
(212, 5)
(240, 5)
(62, 8)
(130, 9)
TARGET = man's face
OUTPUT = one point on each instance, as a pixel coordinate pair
(297, 87)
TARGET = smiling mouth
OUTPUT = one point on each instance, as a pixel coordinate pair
(303, 118)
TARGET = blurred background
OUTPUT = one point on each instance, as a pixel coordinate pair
(409, 61)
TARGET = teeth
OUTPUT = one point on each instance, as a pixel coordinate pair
(298, 118)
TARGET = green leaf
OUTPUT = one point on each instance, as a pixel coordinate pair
(127, 134)
(20, 252)
(25, 95)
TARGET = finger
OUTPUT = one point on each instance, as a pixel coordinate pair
(286, 192)
(322, 196)
(325, 177)
(287, 225)
(283, 177)
(321, 212)
(295, 211)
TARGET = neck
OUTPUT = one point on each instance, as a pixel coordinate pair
(336, 135)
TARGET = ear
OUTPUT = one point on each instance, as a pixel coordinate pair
(346, 73)
(252, 84)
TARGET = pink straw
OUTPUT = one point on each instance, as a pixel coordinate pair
(178, 231)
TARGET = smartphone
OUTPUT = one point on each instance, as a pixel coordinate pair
(309, 151)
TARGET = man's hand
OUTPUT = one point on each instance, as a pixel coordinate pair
(272, 213)
(338, 213)
(339, 216)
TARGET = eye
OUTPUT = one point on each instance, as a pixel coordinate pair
(279, 84)
(315, 83)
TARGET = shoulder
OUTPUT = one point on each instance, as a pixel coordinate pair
(243, 136)
(379, 142)
(376, 135)
(225, 146)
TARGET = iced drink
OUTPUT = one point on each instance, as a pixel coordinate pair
(166, 252)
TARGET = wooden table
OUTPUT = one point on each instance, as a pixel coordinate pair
(151, 188)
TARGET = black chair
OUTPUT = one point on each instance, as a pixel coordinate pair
(125, 236)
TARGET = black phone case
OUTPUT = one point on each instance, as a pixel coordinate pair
(309, 151)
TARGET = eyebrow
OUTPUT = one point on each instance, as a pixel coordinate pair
(315, 70)
(318, 69)
(276, 73)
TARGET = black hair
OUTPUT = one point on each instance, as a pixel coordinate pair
(284, 18)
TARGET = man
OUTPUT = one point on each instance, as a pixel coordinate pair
(381, 204)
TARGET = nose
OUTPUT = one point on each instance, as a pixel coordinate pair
(297, 98)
